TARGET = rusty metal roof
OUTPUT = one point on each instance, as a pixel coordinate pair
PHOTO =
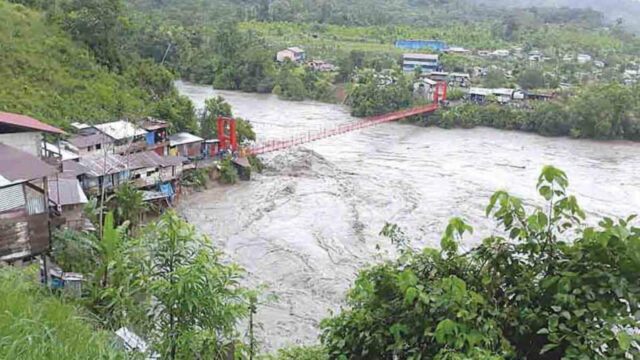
(27, 122)
(17, 166)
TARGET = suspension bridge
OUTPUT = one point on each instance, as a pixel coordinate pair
(439, 94)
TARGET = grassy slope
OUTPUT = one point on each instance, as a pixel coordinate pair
(46, 75)
(35, 325)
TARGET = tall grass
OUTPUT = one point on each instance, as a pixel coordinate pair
(37, 325)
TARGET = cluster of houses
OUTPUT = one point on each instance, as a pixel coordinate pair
(298, 55)
(47, 176)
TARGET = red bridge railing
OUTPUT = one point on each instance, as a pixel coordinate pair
(281, 144)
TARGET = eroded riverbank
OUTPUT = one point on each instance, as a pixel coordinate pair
(306, 225)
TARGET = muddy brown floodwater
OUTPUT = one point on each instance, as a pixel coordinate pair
(307, 224)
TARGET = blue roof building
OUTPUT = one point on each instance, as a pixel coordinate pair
(436, 45)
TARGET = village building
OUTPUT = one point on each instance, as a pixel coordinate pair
(97, 171)
(83, 129)
(458, 50)
(185, 144)
(501, 53)
(502, 96)
(148, 169)
(25, 213)
(157, 136)
(439, 76)
(127, 137)
(459, 79)
(321, 66)
(211, 147)
(293, 54)
(68, 194)
(630, 77)
(423, 89)
(24, 132)
(63, 151)
(91, 144)
(425, 62)
(584, 58)
(435, 45)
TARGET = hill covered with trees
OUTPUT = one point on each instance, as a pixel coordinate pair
(62, 66)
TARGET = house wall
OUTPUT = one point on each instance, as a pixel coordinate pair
(29, 142)
(73, 213)
(23, 236)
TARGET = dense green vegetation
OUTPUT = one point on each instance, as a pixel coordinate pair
(163, 280)
(57, 80)
(546, 286)
(36, 325)
(600, 112)
(375, 94)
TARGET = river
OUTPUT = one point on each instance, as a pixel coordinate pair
(306, 225)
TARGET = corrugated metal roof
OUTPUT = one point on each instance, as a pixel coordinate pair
(70, 192)
(11, 197)
(421, 56)
(183, 138)
(120, 129)
(141, 160)
(90, 140)
(103, 164)
(18, 166)
(71, 169)
(27, 122)
(64, 154)
(80, 126)
(151, 124)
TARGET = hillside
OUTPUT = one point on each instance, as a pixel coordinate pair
(627, 10)
(352, 12)
(47, 75)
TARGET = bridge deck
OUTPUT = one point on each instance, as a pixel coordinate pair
(281, 144)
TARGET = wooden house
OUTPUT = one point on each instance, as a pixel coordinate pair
(26, 213)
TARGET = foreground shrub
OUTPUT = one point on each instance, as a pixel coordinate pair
(550, 288)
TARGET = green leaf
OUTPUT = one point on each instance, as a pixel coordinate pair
(411, 294)
(548, 347)
(624, 340)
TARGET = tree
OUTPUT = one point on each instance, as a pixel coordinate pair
(179, 112)
(197, 298)
(213, 109)
(129, 205)
(531, 78)
(551, 288)
(228, 172)
(494, 79)
(97, 23)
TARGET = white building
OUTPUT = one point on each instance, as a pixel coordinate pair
(293, 53)
(501, 53)
(24, 132)
(425, 62)
(584, 58)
